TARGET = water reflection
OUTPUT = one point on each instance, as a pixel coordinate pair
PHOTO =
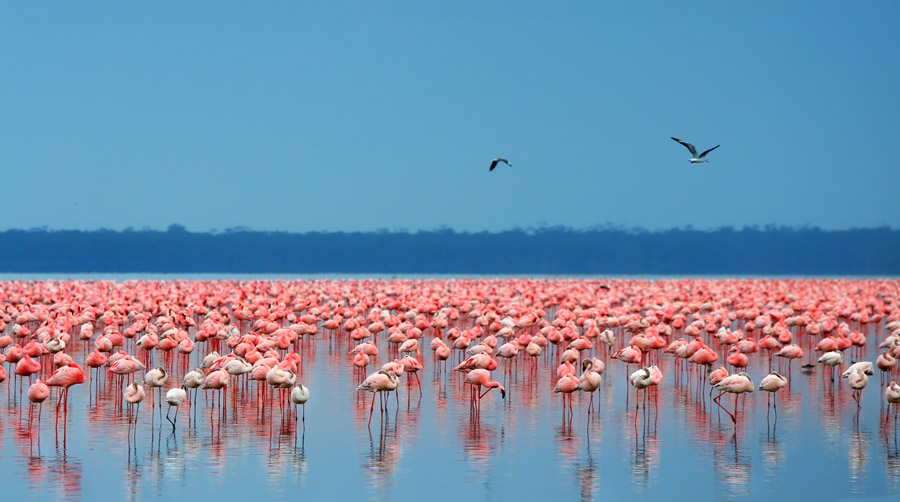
(586, 472)
(381, 459)
(732, 465)
(644, 458)
(773, 455)
(477, 444)
(890, 448)
(858, 456)
(645, 443)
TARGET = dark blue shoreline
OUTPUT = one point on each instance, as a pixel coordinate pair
(768, 251)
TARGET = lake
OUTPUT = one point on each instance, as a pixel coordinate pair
(679, 444)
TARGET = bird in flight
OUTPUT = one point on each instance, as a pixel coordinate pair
(696, 159)
(495, 161)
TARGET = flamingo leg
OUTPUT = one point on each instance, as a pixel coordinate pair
(734, 417)
(716, 400)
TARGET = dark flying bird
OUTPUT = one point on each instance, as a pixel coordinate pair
(494, 163)
(696, 159)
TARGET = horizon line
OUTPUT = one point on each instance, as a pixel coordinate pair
(531, 229)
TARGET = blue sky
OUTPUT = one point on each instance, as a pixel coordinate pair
(366, 115)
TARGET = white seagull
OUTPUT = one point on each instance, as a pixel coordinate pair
(495, 161)
(696, 159)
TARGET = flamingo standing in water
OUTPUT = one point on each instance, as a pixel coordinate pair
(410, 367)
(478, 378)
(832, 358)
(380, 381)
(790, 352)
(717, 375)
(892, 396)
(628, 355)
(66, 377)
(566, 385)
(175, 397)
(299, 396)
(772, 383)
(156, 378)
(134, 395)
(590, 380)
(885, 362)
(734, 384)
(27, 367)
(217, 380)
(192, 380)
(858, 380)
(640, 379)
(38, 392)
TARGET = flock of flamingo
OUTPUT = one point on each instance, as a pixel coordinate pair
(165, 341)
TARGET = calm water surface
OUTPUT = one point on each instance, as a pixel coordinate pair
(520, 448)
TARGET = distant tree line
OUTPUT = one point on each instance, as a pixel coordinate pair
(547, 250)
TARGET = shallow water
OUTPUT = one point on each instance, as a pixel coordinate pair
(523, 446)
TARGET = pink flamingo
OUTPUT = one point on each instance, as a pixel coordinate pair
(380, 381)
(772, 383)
(38, 392)
(734, 384)
(66, 377)
(892, 396)
(790, 352)
(411, 366)
(478, 378)
(590, 380)
(134, 394)
(566, 385)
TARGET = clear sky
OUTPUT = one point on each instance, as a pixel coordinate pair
(369, 115)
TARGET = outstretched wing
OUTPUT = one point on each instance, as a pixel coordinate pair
(495, 161)
(687, 145)
(711, 149)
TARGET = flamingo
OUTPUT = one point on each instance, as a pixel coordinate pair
(192, 380)
(478, 378)
(832, 358)
(861, 366)
(858, 380)
(156, 378)
(218, 380)
(566, 385)
(790, 352)
(380, 381)
(299, 396)
(175, 397)
(38, 392)
(590, 380)
(892, 396)
(772, 383)
(734, 384)
(66, 377)
(411, 366)
(134, 395)
(640, 379)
